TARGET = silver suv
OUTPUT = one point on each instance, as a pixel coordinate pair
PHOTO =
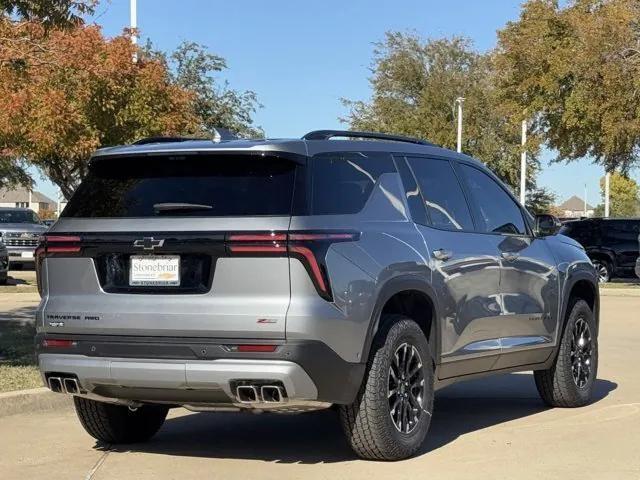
(348, 268)
(20, 230)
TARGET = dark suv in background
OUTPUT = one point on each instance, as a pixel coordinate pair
(611, 244)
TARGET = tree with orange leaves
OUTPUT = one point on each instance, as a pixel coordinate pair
(66, 90)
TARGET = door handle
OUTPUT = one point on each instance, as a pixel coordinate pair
(442, 254)
(509, 256)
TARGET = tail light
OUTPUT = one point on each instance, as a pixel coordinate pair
(58, 343)
(55, 245)
(309, 247)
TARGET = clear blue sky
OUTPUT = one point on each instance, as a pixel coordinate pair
(302, 57)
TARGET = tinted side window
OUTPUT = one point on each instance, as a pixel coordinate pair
(496, 208)
(621, 230)
(442, 194)
(342, 181)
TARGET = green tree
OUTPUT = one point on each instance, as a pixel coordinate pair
(51, 13)
(623, 196)
(576, 69)
(415, 84)
(193, 68)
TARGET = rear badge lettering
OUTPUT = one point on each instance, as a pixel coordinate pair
(57, 319)
(267, 320)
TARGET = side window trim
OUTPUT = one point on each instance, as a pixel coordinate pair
(424, 203)
(474, 208)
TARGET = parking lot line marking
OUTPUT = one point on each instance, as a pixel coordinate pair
(98, 464)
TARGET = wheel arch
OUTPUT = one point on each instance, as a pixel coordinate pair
(414, 297)
(581, 285)
(603, 254)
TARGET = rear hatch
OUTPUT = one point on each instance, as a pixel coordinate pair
(148, 246)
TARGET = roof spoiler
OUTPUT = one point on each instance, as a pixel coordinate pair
(219, 135)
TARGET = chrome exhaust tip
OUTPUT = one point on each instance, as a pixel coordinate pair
(247, 394)
(271, 394)
(55, 384)
(70, 386)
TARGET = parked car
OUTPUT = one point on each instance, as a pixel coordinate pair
(4, 263)
(47, 223)
(20, 230)
(612, 244)
(290, 275)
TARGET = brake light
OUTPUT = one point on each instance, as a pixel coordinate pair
(58, 343)
(54, 245)
(309, 247)
(312, 262)
(61, 244)
(256, 348)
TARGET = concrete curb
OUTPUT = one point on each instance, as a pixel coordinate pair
(619, 292)
(31, 401)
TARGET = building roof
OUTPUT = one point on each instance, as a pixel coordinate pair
(574, 204)
(22, 195)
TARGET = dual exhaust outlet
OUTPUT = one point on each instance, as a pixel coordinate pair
(260, 394)
(63, 385)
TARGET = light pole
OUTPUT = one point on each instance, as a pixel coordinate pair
(607, 183)
(133, 4)
(523, 164)
(459, 102)
(585, 199)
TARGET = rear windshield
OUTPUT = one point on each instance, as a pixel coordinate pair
(202, 186)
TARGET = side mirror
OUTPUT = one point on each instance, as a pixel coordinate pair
(546, 225)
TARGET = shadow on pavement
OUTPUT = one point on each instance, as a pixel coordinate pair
(317, 437)
(25, 314)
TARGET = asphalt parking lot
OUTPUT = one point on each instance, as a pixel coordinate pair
(492, 428)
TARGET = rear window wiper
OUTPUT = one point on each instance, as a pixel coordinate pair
(176, 207)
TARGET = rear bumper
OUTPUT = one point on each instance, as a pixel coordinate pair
(188, 370)
(21, 254)
(108, 375)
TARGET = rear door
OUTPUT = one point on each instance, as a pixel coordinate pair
(622, 237)
(157, 246)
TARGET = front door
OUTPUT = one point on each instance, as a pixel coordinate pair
(529, 288)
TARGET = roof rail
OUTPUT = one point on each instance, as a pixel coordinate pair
(147, 140)
(328, 134)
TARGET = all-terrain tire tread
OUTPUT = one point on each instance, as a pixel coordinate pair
(365, 421)
(116, 424)
(556, 385)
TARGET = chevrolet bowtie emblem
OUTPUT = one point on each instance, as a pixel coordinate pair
(148, 243)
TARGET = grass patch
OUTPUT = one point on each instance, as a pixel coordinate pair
(18, 368)
(19, 377)
(17, 342)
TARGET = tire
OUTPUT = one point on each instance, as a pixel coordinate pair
(367, 422)
(111, 423)
(3, 279)
(558, 386)
(603, 269)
